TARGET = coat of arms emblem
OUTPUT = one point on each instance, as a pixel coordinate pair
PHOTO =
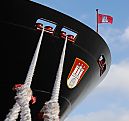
(78, 70)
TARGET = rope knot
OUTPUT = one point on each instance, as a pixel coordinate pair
(50, 111)
(24, 92)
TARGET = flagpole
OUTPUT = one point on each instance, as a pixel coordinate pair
(97, 12)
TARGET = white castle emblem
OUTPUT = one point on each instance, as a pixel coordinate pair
(78, 70)
(104, 19)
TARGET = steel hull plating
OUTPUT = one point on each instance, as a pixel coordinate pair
(18, 43)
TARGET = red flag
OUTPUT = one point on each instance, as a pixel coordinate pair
(105, 18)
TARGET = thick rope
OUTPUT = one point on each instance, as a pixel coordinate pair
(33, 63)
(56, 88)
(51, 108)
(24, 93)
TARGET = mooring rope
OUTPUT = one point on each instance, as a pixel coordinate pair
(51, 109)
(24, 92)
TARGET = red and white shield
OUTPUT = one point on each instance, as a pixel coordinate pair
(78, 69)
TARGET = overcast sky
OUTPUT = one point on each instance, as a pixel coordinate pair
(109, 101)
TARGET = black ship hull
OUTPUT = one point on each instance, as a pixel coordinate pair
(18, 43)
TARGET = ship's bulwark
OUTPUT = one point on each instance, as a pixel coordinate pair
(18, 43)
